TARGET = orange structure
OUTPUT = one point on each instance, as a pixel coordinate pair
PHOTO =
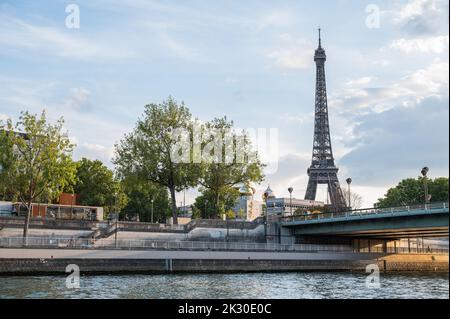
(66, 208)
(68, 199)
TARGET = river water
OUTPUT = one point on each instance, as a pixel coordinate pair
(246, 285)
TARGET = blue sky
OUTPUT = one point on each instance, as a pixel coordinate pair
(250, 60)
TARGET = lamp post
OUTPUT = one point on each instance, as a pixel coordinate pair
(71, 205)
(184, 201)
(151, 218)
(228, 229)
(265, 217)
(117, 219)
(290, 190)
(349, 181)
(425, 183)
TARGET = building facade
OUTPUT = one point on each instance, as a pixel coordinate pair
(288, 207)
(247, 208)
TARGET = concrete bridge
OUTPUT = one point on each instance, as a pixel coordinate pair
(429, 220)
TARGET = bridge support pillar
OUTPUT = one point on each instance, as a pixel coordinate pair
(278, 234)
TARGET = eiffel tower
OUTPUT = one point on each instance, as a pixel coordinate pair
(323, 169)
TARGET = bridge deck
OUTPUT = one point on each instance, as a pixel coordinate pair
(409, 221)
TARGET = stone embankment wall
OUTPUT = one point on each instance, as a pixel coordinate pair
(414, 262)
(55, 261)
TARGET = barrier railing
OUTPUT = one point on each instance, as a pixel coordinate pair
(82, 243)
(364, 212)
(130, 226)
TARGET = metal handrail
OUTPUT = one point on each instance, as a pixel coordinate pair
(131, 244)
(82, 243)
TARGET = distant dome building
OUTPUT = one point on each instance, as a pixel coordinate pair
(246, 207)
(268, 193)
(247, 190)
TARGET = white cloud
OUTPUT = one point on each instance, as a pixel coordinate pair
(298, 118)
(422, 16)
(79, 100)
(4, 117)
(95, 151)
(281, 19)
(365, 80)
(17, 33)
(356, 98)
(180, 50)
(432, 81)
(291, 54)
(290, 59)
(438, 44)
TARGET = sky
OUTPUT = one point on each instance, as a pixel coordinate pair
(387, 76)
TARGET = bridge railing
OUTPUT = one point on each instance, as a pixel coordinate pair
(364, 212)
(131, 244)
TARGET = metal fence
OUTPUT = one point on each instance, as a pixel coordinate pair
(46, 222)
(82, 243)
(365, 212)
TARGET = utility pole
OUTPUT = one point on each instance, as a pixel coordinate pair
(117, 219)
(425, 184)
(349, 181)
(228, 229)
(152, 212)
(290, 190)
(184, 202)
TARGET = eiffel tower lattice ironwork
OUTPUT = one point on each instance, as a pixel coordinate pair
(323, 169)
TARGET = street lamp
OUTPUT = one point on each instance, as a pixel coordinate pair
(424, 172)
(117, 219)
(152, 211)
(290, 190)
(265, 216)
(349, 181)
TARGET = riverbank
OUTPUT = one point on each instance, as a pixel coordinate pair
(55, 261)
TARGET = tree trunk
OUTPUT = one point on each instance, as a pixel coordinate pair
(174, 205)
(27, 222)
(216, 205)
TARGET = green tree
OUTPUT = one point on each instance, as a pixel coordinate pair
(40, 164)
(438, 189)
(411, 191)
(150, 151)
(144, 195)
(97, 186)
(205, 206)
(232, 162)
(6, 167)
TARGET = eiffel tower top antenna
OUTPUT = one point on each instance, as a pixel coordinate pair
(320, 40)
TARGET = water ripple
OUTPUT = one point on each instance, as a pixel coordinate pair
(245, 285)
